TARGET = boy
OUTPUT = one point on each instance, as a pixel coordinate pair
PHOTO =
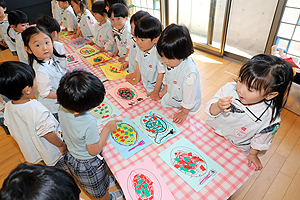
(69, 19)
(29, 122)
(3, 25)
(19, 22)
(39, 182)
(118, 14)
(147, 32)
(79, 92)
(56, 11)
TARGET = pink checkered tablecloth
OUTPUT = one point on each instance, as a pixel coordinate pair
(233, 160)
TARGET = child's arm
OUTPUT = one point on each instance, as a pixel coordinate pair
(116, 51)
(253, 159)
(52, 95)
(54, 139)
(44, 86)
(134, 80)
(111, 41)
(124, 59)
(223, 104)
(125, 65)
(154, 95)
(77, 32)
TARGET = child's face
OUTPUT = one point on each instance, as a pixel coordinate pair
(2, 10)
(118, 22)
(41, 46)
(145, 44)
(99, 17)
(76, 7)
(132, 28)
(248, 96)
(171, 62)
(63, 4)
(20, 27)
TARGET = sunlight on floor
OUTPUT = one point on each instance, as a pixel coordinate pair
(205, 59)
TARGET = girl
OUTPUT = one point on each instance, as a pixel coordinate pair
(247, 112)
(181, 81)
(68, 16)
(43, 58)
(103, 30)
(86, 21)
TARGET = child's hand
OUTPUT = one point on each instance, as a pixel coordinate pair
(224, 104)
(102, 49)
(132, 81)
(121, 59)
(253, 159)
(111, 125)
(180, 117)
(63, 149)
(113, 54)
(154, 95)
(91, 42)
(124, 66)
(130, 76)
(70, 33)
(163, 92)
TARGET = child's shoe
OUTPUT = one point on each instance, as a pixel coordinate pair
(116, 195)
(112, 181)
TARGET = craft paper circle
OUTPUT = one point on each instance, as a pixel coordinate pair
(102, 111)
(124, 135)
(126, 93)
(86, 50)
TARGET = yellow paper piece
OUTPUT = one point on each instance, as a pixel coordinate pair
(100, 58)
(113, 72)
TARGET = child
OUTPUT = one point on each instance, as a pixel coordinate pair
(56, 11)
(103, 30)
(79, 92)
(3, 25)
(86, 22)
(247, 112)
(43, 58)
(53, 27)
(131, 45)
(118, 14)
(19, 22)
(182, 81)
(147, 32)
(29, 122)
(69, 19)
(32, 182)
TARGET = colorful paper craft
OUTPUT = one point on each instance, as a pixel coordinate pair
(100, 58)
(73, 58)
(63, 34)
(126, 95)
(79, 67)
(143, 182)
(113, 72)
(105, 111)
(87, 50)
(190, 163)
(128, 139)
(157, 127)
(77, 43)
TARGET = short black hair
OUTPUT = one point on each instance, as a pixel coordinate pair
(80, 91)
(119, 10)
(33, 182)
(14, 77)
(3, 4)
(69, 1)
(16, 17)
(175, 42)
(48, 23)
(99, 7)
(148, 27)
(109, 3)
(137, 16)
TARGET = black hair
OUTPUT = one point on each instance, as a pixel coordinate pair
(69, 1)
(3, 4)
(38, 182)
(48, 23)
(82, 4)
(268, 73)
(109, 3)
(99, 7)
(175, 42)
(27, 34)
(137, 16)
(148, 27)
(16, 17)
(14, 77)
(80, 91)
(119, 10)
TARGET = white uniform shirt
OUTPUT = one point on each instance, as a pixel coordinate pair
(69, 19)
(3, 34)
(60, 48)
(132, 46)
(86, 24)
(121, 39)
(104, 36)
(56, 11)
(22, 53)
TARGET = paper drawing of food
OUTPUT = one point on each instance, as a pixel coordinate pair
(124, 135)
(70, 58)
(143, 187)
(126, 93)
(114, 70)
(98, 59)
(102, 111)
(87, 51)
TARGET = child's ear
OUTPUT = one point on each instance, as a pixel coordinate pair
(28, 49)
(76, 113)
(13, 26)
(26, 90)
(271, 95)
(54, 34)
(155, 40)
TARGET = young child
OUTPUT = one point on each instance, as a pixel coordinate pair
(147, 32)
(53, 27)
(86, 21)
(3, 25)
(131, 45)
(43, 58)
(103, 29)
(56, 11)
(19, 22)
(79, 92)
(30, 123)
(69, 19)
(32, 182)
(247, 112)
(118, 14)
(182, 81)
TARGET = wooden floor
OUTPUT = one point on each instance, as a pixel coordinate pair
(280, 177)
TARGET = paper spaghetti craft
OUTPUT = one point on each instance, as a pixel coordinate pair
(143, 181)
(73, 58)
(113, 72)
(156, 126)
(105, 111)
(126, 95)
(128, 139)
(87, 50)
(77, 43)
(190, 163)
(100, 58)
(63, 34)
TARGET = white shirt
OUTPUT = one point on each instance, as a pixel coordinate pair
(69, 19)
(56, 11)
(86, 24)
(22, 53)
(104, 36)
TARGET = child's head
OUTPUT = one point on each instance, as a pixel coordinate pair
(147, 32)
(63, 4)
(109, 3)
(17, 79)
(38, 44)
(118, 14)
(174, 45)
(79, 6)
(18, 20)
(49, 24)
(99, 11)
(265, 78)
(135, 18)
(33, 182)
(2, 8)
(80, 91)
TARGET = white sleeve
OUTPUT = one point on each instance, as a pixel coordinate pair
(219, 94)
(128, 45)
(189, 95)
(2, 103)
(91, 24)
(262, 141)
(44, 84)
(46, 124)
(111, 40)
(70, 21)
(160, 68)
